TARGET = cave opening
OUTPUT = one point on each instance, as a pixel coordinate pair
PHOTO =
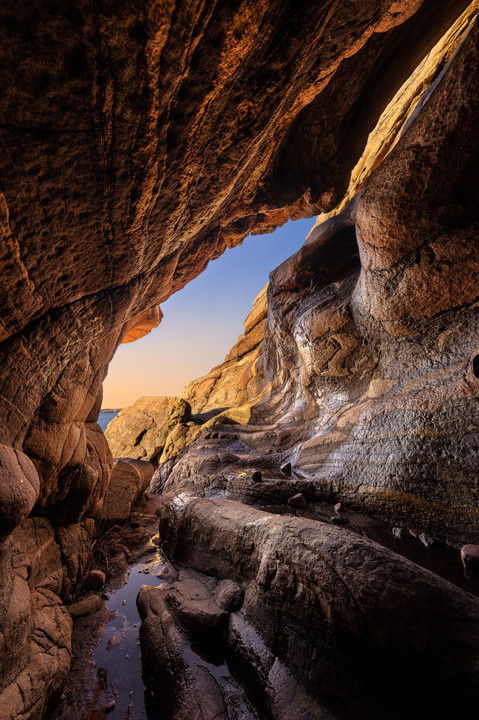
(201, 322)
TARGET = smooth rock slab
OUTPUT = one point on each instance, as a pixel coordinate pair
(362, 630)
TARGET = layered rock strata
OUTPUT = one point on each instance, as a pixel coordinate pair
(371, 337)
(332, 625)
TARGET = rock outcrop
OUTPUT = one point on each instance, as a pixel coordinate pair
(332, 625)
(371, 336)
(125, 170)
(129, 479)
(158, 428)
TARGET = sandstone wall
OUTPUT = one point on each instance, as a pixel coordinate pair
(140, 141)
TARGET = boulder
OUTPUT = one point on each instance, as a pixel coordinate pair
(95, 580)
(470, 557)
(229, 595)
(86, 606)
(129, 479)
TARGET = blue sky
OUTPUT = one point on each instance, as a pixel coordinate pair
(202, 321)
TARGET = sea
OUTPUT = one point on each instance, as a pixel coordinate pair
(105, 417)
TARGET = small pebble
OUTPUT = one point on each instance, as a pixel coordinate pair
(338, 508)
(426, 540)
(127, 657)
(297, 501)
(397, 532)
(109, 706)
(257, 476)
(123, 602)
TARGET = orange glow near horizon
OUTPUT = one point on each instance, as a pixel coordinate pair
(201, 322)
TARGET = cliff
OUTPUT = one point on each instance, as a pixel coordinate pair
(138, 142)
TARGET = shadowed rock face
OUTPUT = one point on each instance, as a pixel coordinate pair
(137, 144)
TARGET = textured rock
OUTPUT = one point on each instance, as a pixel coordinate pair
(176, 673)
(371, 334)
(382, 636)
(87, 606)
(125, 171)
(129, 479)
(95, 580)
(35, 643)
(123, 189)
(141, 430)
(157, 429)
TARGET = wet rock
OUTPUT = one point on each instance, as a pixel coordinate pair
(297, 501)
(87, 606)
(283, 558)
(470, 557)
(257, 476)
(426, 540)
(229, 595)
(95, 580)
(178, 673)
(194, 603)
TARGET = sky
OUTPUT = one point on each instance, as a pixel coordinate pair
(201, 322)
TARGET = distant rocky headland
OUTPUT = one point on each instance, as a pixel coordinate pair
(314, 497)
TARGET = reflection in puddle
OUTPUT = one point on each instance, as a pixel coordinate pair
(119, 694)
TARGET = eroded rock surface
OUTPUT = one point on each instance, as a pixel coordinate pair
(125, 170)
(332, 624)
(370, 339)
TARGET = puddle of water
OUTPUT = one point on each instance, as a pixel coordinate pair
(117, 657)
(214, 663)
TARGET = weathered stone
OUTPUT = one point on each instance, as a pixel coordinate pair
(354, 629)
(95, 580)
(129, 479)
(124, 173)
(297, 501)
(176, 672)
(87, 606)
(229, 595)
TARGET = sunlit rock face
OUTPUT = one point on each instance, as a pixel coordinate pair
(159, 428)
(371, 334)
(138, 143)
